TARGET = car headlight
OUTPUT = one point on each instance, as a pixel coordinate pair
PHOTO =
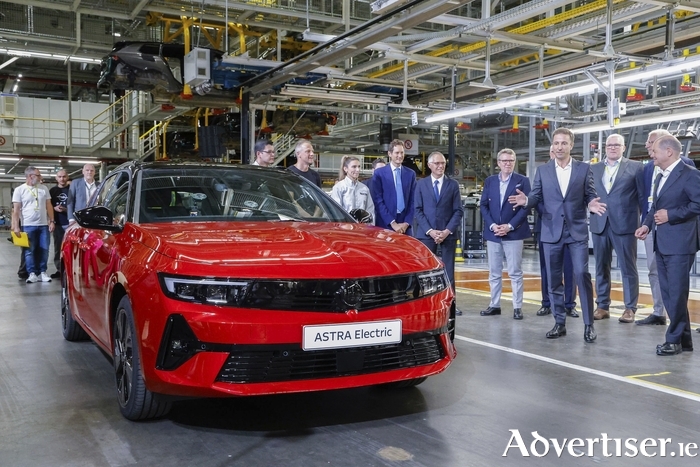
(216, 292)
(432, 282)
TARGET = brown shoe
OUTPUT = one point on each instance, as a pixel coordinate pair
(627, 316)
(601, 314)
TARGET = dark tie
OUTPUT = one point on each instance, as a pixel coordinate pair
(400, 205)
(437, 193)
(657, 181)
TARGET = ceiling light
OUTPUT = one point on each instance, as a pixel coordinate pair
(639, 120)
(663, 69)
(83, 161)
(330, 94)
(8, 62)
(9, 159)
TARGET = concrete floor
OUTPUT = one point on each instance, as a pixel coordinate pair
(58, 407)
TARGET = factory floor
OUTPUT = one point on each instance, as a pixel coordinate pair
(511, 397)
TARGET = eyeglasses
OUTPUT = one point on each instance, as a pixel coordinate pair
(613, 146)
(507, 161)
(270, 152)
(438, 163)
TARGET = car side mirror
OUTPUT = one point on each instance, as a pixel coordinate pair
(97, 217)
(361, 216)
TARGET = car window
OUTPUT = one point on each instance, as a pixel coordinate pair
(117, 203)
(232, 193)
(111, 184)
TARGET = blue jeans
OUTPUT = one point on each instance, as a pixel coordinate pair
(37, 255)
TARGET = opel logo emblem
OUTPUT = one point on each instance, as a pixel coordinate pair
(351, 294)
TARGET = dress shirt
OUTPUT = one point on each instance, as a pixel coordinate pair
(440, 181)
(563, 175)
(610, 173)
(665, 175)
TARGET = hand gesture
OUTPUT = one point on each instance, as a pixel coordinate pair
(517, 200)
(642, 232)
(596, 207)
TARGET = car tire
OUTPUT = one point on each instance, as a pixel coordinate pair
(135, 401)
(409, 383)
(72, 331)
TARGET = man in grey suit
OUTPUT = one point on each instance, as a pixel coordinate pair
(674, 218)
(566, 188)
(439, 212)
(81, 190)
(620, 185)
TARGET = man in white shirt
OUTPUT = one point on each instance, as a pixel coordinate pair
(31, 202)
(264, 153)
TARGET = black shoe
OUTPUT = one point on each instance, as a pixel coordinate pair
(687, 348)
(667, 348)
(558, 330)
(589, 334)
(23, 277)
(55, 275)
(490, 311)
(545, 310)
(651, 319)
(698, 329)
(572, 312)
(458, 312)
(517, 313)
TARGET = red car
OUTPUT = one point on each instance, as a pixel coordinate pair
(221, 280)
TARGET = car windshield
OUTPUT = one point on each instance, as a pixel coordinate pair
(234, 193)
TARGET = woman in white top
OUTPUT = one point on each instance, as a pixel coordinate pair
(349, 192)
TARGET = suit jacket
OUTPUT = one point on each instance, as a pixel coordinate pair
(625, 201)
(77, 198)
(648, 176)
(680, 196)
(445, 213)
(495, 212)
(571, 208)
(384, 195)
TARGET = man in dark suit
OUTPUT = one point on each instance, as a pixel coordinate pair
(569, 284)
(619, 183)
(565, 187)
(439, 212)
(505, 231)
(658, 316)
(81, 190)
(393, 189)
(674, 218)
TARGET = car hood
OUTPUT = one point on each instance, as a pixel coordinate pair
(286, 249)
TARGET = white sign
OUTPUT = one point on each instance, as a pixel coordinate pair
(5, 143)
(337, 336)
(410, 144)
(414, 118)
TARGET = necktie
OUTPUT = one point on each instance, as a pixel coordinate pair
(400, 205)
(657, 181)
(437, 193)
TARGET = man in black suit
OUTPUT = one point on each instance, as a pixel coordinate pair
(439, 212)
(674, 218)
(565, 187)
(619, 183)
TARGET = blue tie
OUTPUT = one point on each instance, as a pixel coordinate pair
(400, 205)
(437, 193)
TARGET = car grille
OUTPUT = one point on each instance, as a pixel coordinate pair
(262, 364)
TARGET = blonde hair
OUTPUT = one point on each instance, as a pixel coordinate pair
(344, 162)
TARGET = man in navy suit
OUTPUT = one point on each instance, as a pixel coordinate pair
(439, 212)
(569, 285)
(81, 190)
(618, 182)
(674, 218)
(658, 316)
(392, 191)
(505, 231)
(565, 187)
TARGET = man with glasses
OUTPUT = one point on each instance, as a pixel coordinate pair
(505, 231)
(264, 153)
(566, 188)
(31, 202)
(619, 183)
(59, 201)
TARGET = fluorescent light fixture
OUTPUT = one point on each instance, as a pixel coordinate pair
(14, 88)
(19, 178)
(330, 94)
(8, 62)
(639, 120)
(631, 76)
(26, 53)
(9, 159)
(83, 161)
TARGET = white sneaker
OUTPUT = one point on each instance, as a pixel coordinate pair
(43, 277)
(32, 278)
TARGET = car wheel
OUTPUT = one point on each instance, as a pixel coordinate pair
(72, 331)
(135, 401)
(409, 383)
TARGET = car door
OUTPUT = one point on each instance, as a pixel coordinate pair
(98, 259)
